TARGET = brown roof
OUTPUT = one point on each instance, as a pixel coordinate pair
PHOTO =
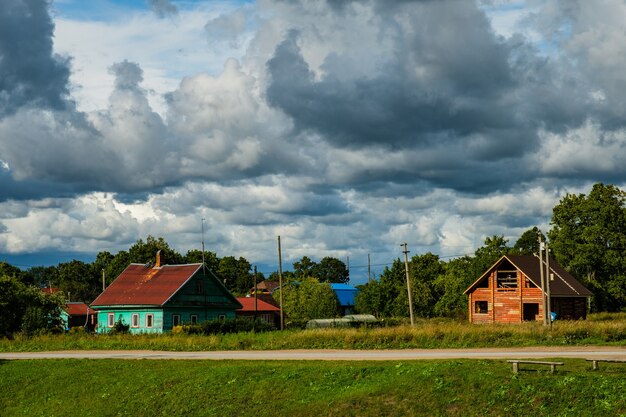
(248, 305)
(78, 309)
(266, 286)
(49, 290)
(563, 285)
(141, 285)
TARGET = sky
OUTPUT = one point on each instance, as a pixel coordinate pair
(345, 127)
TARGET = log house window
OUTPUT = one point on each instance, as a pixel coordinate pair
(221, 317)
(175, 320)
(194, 319)
(506, 280)
(111, 320)
(199, 286)
(149, 320)
(135, 320)
(481, 307)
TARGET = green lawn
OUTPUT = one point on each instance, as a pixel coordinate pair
(234, 388)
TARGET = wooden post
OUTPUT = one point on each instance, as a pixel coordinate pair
(549, 302)
(280, 285)
(543, 284)
(408, 283)
(369, 274)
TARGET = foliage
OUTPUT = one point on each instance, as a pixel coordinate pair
(235, 274)
(528, 242)
(588, 238)
(27, 309)
(120, 327)
(309, 299)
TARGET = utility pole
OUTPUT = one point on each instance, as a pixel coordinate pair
(543, 284)
(280, 285)
(104, 286)
(548, 274)
(408, 283)
(348, 260)
(369, 270)
(256, 307)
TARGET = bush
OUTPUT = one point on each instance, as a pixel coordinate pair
(120, 327)
(236, 325)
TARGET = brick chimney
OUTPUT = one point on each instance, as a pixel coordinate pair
(158, 259)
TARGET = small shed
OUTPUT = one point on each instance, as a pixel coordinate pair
(346, 295)
(510, 292)
(79, 314)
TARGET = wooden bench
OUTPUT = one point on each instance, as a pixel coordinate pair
(516, 363)
(595, 362)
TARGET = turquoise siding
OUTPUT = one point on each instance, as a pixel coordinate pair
(201, 296)
(126, 315)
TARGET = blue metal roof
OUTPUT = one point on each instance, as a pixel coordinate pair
(345, 294)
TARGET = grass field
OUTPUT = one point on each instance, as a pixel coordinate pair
(207, 388)
(599, 329)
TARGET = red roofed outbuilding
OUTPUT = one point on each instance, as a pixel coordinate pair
(261, 309)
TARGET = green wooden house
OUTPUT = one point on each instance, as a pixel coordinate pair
(154, 299)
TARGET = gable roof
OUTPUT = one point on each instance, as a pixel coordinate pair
(77, 308)
(563, 285)
(142, 285)
(247, 304)
(266, 286)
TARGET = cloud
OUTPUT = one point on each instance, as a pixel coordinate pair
(163, 8)
(30, 74)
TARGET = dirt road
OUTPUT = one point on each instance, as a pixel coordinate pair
(587, 352)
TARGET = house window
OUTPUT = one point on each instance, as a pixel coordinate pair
(111, 320)
(194, 319)
(135, 320)
(221, 317)
(481, 307)
(506, 279)
(175, 320)
(199, 286)
(149, 320)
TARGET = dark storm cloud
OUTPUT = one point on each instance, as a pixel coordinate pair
(30, 74)
(163, 8)
(449, 83)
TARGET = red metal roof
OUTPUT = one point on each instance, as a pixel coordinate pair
(49, 291)
(141, 285)
(78, 309)
(248, 305)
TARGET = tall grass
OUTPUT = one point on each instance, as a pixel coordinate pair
(436, 333)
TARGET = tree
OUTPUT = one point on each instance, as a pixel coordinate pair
(309, 299)
(588, 238)
(211, 260)
(78, 281)
(144, 252)
(27, 309)
(235, 274)
(331, 270)
(528, 242)
(304, 268)
(451, 284)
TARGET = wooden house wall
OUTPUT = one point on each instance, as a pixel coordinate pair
(125, 313)
(505, 305)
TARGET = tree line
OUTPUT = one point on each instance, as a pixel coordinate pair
(587, 237)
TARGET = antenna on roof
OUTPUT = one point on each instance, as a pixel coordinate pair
(203, 243)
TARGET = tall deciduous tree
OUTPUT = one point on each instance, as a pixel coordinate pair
(528, 242)
(331, 269)
(588, 238)
(304, 268)
(309, 299)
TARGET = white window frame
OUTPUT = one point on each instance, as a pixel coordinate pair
(149, 321)
(134, 320)
(221, 317)
(175, 320)
(110, 319)
(194, 319)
